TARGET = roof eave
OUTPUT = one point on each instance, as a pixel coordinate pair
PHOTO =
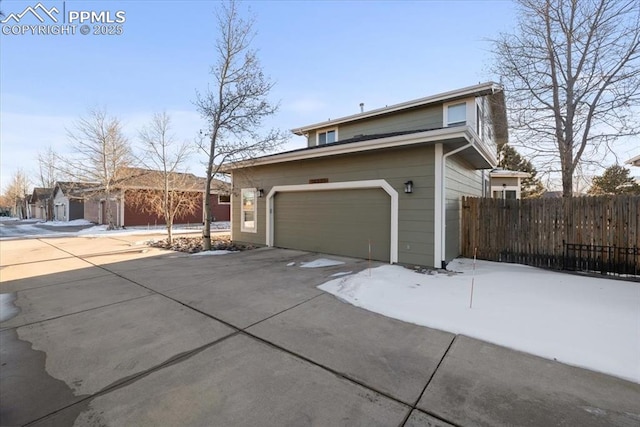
(634, 161)
(477, 90)
(438, 135)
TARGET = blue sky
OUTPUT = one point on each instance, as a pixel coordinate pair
(326, 57)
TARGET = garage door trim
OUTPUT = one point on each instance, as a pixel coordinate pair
(346, 185)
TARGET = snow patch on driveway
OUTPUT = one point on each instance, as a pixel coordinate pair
(219, 252)
(320, 262)
(582, 321)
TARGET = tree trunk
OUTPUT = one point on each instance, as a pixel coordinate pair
(206, 203)
(567, 182)
(206, 231)
(169, 232)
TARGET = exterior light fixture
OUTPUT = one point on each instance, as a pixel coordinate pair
(408, 187)
(260, 192)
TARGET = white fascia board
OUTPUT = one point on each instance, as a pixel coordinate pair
(509, 174)
(634, 161)
(437, 135)
(483, 88)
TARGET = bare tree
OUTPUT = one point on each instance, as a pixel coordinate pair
(47, 170)
(572, 75)
(16, 193)
(102, 155)
(47, 176)
(171, 192)
(236, 103)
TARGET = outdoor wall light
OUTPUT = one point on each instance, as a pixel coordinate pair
(408, 187)
(260, 192)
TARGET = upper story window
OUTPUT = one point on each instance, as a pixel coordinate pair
(326, 136)
(456, 114)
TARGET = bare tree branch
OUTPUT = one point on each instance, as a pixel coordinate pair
(173, 193)
(572, 74)
(237, 105)
(16, 193)
(102, 155)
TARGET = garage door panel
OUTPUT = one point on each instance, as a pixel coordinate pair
(340, 222)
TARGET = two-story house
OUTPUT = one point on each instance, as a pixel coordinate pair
(385, 183)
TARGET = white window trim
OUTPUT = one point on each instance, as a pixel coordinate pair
(319, 131)
(224, 203)
(255, 211)
(347, 185)
(445, 112)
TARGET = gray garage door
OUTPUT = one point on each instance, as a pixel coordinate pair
(340, 222)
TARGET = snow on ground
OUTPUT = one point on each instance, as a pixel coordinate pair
(342, 273)
(320, 262)
(101, 230)
(582, 321)
(218, 252)
(30, 229)
(72, 223)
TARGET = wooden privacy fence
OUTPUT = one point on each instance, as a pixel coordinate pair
(540, 232)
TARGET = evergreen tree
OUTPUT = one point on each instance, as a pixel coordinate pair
(614, 180)
(510, 159)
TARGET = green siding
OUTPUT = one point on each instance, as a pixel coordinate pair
(415, 243)
(423, 118)
(429, 117)
(340, 222)
(461, 180)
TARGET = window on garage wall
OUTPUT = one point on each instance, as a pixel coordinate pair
(249, 210)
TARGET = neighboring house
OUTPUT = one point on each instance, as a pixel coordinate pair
(634, 161)
(126, 213)
(68, 200)
(506, 184)
(385, 183)
(42, 203)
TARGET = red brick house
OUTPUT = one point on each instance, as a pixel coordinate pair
(127, 202)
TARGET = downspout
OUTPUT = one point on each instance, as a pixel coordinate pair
(443, 201)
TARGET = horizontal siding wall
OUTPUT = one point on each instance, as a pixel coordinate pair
(396, 166)
(421, 118)
(461, 180)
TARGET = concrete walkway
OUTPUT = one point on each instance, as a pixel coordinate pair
(110, 332)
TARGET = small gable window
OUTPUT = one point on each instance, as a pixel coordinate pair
(327, 136)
